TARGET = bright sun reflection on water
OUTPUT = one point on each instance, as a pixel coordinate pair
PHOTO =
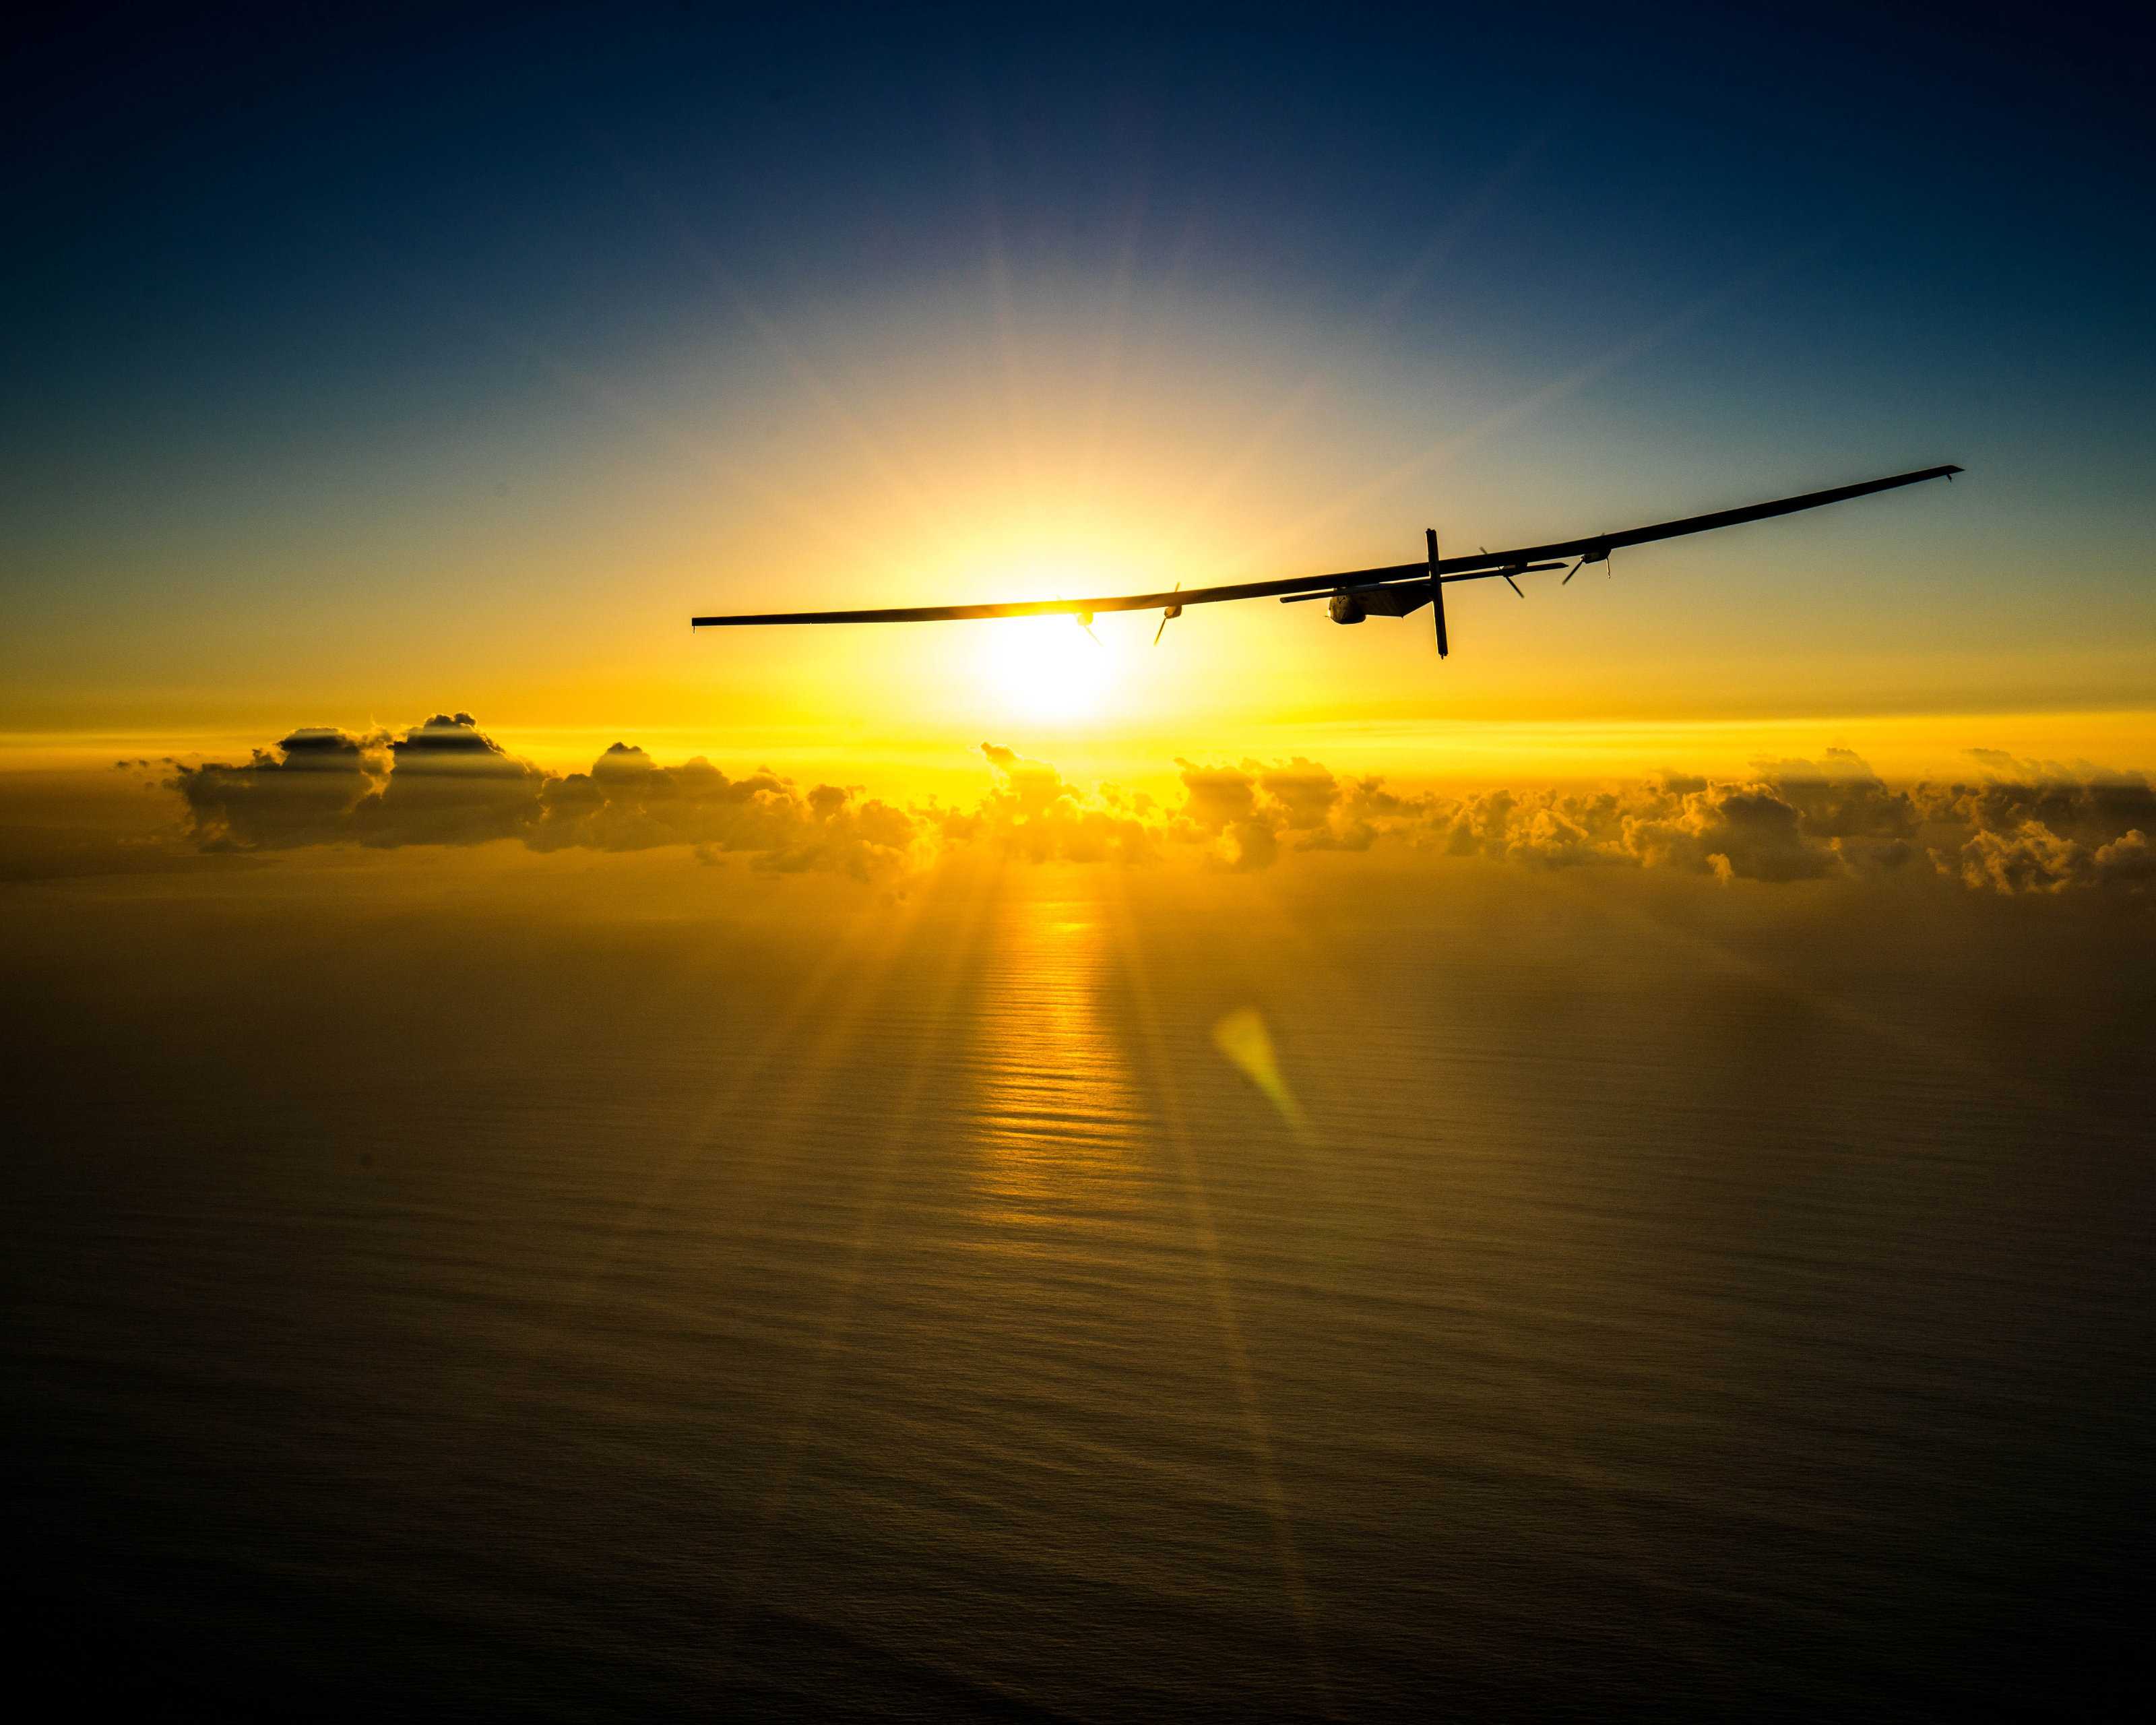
(1057, 1109)
(1046, 667)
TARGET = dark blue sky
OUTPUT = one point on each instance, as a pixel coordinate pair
(211, 211)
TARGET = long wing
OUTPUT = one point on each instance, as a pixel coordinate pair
(1487, 565)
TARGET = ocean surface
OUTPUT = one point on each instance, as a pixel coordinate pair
(598, 1289)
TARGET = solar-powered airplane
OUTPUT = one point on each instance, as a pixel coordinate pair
(1397, 590)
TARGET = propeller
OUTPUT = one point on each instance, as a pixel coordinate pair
(1168, 611)
(1084, 619)
(1506, 574)
(1585, 558)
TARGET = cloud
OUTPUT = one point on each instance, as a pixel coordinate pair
(445, 782)
(2015, 827)
(449, 783)
(1748, 832)
(1218, 798)
(2032, 858)
(1245, 816)
(1788, 820)
(2128, 860)
(2041, 827)
(1032, 811)
(305, 793)
(628, 801)
(1305, 791)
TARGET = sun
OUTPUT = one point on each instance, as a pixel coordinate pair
(1047, 667)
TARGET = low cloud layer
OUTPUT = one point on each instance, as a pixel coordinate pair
(446, 781)
(2011, 827)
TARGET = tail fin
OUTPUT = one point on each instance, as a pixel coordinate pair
(1436, 593)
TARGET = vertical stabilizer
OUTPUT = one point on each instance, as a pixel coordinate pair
(1436, 593)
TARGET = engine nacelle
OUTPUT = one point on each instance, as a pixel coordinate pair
(1345, 607)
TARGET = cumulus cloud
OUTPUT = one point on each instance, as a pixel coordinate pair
(2028, 826)
(449, 783)
(2013, 827)
(1032, 811)
(445, 782)
(304, 793)
(1787, 820)
(2022, 826)
(1305, 791)
(628, 802)
(2128, 860)
(1218, 798)
(1746, 832)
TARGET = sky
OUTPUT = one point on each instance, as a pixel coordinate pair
(374, 368)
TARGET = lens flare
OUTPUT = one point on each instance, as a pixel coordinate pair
(1241, 1035)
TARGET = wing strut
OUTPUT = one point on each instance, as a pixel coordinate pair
(1436, 593)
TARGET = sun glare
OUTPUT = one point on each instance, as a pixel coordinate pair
(1047, 667)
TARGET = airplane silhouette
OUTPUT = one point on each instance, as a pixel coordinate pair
(1396, 590)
